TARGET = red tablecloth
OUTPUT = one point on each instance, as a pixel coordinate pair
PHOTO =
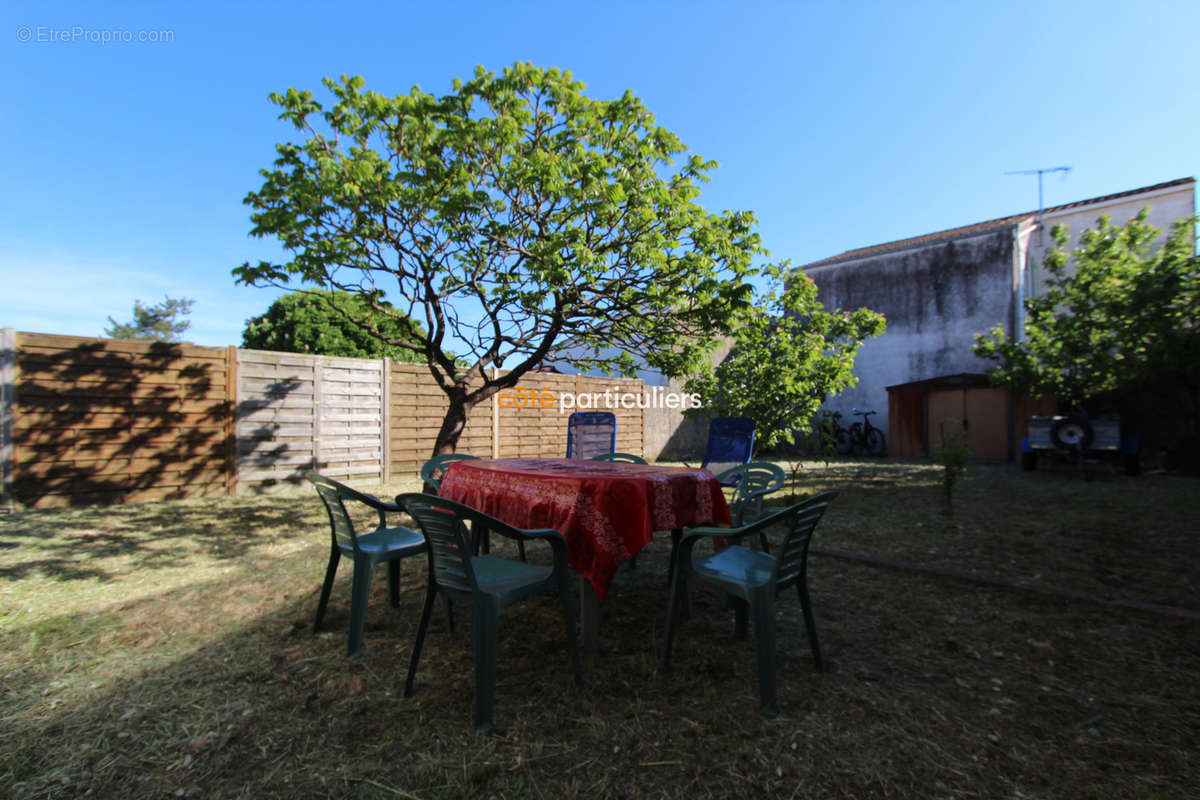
(607, 511)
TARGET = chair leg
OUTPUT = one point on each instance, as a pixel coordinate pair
(678, 590)
(335, 556)
(359, 594)
(485, 636)
(449, 613)
(394, 583)
(809, 622)
(762, 607)
(740, 613)
(564, 592)
(521, 548)
(426, 612)
(675, 537)
(477, 534)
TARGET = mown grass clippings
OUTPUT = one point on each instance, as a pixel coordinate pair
(194, 672)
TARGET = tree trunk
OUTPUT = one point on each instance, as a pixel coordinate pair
(453, 423)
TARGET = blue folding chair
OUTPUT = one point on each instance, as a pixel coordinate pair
(730, 444)
(591, 434)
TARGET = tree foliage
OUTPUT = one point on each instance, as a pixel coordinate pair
(516, 219)
(789, 356)
(1119, 313)
(161, 322)
(323, 323)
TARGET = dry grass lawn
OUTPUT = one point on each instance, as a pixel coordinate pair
(166, 650)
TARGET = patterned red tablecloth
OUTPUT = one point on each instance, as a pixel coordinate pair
(607, 511)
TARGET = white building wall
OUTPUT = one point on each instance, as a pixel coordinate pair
(937, 296)
(1166, 206)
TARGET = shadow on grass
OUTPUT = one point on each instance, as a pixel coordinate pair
(98, 543)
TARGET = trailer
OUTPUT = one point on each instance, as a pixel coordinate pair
(1080, 442)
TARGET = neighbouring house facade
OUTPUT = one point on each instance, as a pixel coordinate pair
(939, 290)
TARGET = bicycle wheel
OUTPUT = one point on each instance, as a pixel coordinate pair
(858, 444)
(875, 442)
(841, 440)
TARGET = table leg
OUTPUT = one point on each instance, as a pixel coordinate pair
(589, 616)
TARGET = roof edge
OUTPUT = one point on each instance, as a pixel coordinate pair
(989, 226)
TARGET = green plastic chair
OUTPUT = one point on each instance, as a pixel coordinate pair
(434, 470)
(489, 582)
(754, 579)
(382, 545)
(751, 483)
(624, 458)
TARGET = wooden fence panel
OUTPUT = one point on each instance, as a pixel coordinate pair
(299, 412)
(8, 374)
(106, 420)
(99, 420)
(526, 421)
(417, 407)
(276, 417)
(351, 419)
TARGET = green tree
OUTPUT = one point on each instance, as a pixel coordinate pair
(323, 323)
(789, 356)
(1119, 314)
(516, 219)
(161, 322)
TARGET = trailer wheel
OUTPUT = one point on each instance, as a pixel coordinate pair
(1072, 433)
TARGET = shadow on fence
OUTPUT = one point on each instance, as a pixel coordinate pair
(102, 421)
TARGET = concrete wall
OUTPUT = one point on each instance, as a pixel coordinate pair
(669, 435)
(935, 299)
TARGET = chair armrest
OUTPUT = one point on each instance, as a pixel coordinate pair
(548, 534)
(557, 542)
(537, 533)
(693, 535)
(763, 492)
(382, 506)
(708, 531)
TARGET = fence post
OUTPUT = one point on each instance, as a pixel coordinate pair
(495, 417)
(8, 402)
(385, 423)
(316, 412)
(231, 406)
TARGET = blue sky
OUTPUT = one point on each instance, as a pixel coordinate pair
(840, 125)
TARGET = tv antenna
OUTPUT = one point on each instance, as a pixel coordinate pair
(1040, 173)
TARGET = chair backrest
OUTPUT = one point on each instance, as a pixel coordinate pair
(730, 443)
(434, 469)
(751, 483)
(591, 433)
(623, 458)
(331, 493)
(447, 539)
(801, 520)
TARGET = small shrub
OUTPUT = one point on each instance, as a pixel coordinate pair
(953, 453)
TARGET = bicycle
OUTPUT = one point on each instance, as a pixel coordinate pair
(861, 438)
(841, 436)
(865, 437)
